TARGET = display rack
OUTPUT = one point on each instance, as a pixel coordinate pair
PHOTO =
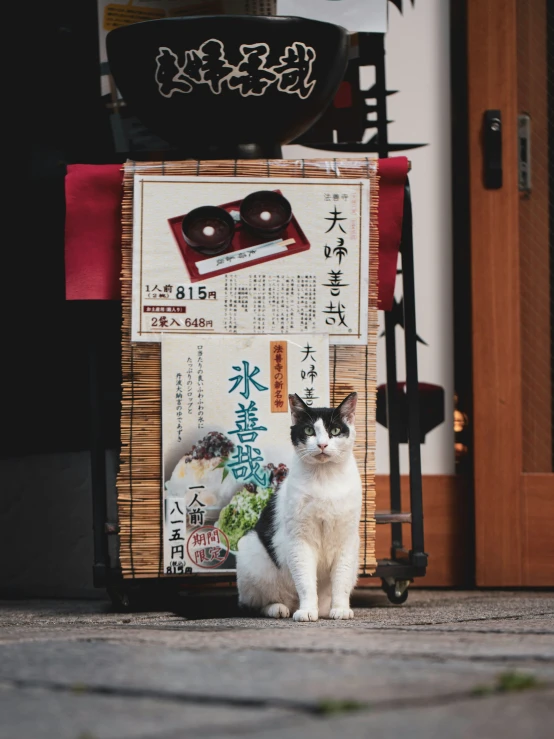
(403, 565)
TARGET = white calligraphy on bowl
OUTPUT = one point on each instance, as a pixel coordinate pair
(208, 65)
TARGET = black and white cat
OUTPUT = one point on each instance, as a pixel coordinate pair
(302, 556)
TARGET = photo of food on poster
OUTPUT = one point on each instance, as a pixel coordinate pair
(228, 255)
(226, 436)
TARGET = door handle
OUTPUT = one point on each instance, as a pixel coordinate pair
(492, 149)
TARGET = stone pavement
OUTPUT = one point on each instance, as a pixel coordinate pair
(445, 664)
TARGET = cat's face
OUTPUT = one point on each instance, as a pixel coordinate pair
(323, 435)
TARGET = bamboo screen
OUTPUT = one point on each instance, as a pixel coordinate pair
(353, 368)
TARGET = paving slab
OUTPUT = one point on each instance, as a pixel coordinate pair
(324, 637)
(423, 608)
(293, 679)
(68, 668)
(527, 715)
(35, 713)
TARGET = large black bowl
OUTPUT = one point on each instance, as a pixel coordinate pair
(217, 82)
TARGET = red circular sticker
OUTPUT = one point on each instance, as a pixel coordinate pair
(208, 547)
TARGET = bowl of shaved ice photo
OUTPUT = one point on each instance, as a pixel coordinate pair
(242, 512)
(212, 494)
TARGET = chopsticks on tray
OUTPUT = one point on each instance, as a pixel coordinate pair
(242, 256)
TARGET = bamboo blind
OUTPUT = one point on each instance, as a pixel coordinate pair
(353, 368)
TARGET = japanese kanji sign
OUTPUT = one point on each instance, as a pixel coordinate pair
(226, 436)
(279, 376)
(312, 278)
(179, 71)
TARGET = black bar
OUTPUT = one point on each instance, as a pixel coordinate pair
(382, 517)
(418, 556)
(97, 463)
(378, 41)
(378, 47)
(399, 571)
(393, 427)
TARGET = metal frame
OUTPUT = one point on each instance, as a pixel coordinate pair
(403, 566)
(397, 572)
(101, 565)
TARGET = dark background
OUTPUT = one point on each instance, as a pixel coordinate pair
(46, 366)
(45, 496)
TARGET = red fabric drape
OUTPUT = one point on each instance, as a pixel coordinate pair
(93, 229)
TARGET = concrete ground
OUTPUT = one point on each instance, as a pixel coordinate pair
(445, 664)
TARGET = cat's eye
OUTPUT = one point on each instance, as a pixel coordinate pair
(309, 431)
(335, 431)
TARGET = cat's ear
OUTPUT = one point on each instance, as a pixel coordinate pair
(297, 407)
(347, 408)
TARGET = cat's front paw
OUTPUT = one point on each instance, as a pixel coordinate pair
(276, 610)
(341, 613)
(305, 615)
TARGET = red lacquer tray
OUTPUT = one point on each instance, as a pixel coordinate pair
(242, 239)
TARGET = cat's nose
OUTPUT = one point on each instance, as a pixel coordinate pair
(323, 446)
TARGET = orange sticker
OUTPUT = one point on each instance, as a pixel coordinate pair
(279, 375)
(116, 15)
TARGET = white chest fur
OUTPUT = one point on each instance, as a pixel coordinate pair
(320, 505)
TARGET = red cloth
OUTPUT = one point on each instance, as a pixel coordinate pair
(393, 173)
(93, 229)
(93, 196)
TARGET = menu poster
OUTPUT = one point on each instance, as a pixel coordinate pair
(226, 436)
(310, 277)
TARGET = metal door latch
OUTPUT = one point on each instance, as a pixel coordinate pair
(492, 149)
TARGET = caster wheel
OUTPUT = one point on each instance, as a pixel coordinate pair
(397, 592)
(130, 598)
(397, 600)
(120, 599)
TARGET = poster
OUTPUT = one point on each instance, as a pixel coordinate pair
(310, 278)
(226, 436)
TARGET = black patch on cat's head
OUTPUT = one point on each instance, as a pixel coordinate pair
(304, 416)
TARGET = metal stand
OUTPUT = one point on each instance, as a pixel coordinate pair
(397, 572)
(404, 565)
(97, 462)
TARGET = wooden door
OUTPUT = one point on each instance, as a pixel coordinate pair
(511, 268)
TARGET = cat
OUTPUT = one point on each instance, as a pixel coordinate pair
(302, 555)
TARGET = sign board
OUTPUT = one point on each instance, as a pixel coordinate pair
(226, 436)
(311, 278)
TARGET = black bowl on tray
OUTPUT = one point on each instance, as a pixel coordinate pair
(208, 230)
(266, 213)
(228, 85)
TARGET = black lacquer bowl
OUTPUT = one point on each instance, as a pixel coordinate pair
(208, 230)
(266, 213)
(223, 81)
